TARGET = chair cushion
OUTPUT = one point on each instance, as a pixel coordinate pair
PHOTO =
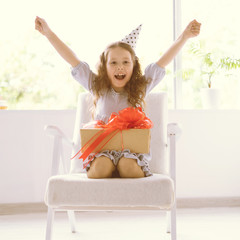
(77, 190)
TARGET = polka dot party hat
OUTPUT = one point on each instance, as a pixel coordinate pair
(131, 39)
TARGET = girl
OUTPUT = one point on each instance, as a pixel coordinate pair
(118, 85)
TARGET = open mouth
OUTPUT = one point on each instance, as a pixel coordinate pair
(120, 76)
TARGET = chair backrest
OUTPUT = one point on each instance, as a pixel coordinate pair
(156, 110)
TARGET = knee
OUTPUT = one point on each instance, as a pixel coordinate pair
(101, 167)
(128, 168)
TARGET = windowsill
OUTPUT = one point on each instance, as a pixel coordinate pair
(204, 110)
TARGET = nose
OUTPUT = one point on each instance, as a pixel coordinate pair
(119, 66)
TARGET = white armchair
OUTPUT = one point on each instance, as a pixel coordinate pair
(73, 191)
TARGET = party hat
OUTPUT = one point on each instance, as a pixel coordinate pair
(131, 39)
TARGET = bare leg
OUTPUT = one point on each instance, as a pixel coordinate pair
(128, 168)
(101, 167)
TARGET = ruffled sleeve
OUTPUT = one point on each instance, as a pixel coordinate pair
(83, 74)
(154, 74)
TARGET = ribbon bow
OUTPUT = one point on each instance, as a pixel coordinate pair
(128, 118)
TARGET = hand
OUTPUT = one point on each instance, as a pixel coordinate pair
(42, 26)
(192, 29)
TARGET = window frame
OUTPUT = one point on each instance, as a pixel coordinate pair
(177, 62)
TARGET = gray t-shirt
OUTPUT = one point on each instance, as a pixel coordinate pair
(113, 101)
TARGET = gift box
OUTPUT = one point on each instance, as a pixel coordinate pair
(136, 140)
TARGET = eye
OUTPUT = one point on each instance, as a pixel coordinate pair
(113, 62)
(126, 62)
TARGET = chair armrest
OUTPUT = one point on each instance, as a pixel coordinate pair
(56, 132)
(174, 129)
(57, 154)
(174, 132)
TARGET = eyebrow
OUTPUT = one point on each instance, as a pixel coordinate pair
(113, 58)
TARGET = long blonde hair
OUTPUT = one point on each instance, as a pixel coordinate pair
(135, 88)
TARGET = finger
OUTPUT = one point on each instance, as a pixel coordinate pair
(195, 23)
(39, 28)
(196, 32)
(198, 25)
(193, 28)
(37, 24)
(40, 20)
(37, 17)
(36, 21)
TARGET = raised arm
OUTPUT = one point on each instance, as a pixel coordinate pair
(192, 30)
(65, 52)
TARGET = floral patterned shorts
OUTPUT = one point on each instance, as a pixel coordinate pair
(115, 156)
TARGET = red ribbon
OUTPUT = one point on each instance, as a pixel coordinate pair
(128, 118)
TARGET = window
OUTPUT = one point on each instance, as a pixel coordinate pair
(33, 76)
(220, 37)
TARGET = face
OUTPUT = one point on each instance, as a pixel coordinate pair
(119, 67)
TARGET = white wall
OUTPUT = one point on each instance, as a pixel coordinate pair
(25, 152)
(208, 163)
(208, 159)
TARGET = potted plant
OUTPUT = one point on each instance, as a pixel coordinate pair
(210, 67)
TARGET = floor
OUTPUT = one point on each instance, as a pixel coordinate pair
(192, 224)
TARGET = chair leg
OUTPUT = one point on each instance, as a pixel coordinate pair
(171, 223)
(72, 220)
(50, 218)
(168, 221)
